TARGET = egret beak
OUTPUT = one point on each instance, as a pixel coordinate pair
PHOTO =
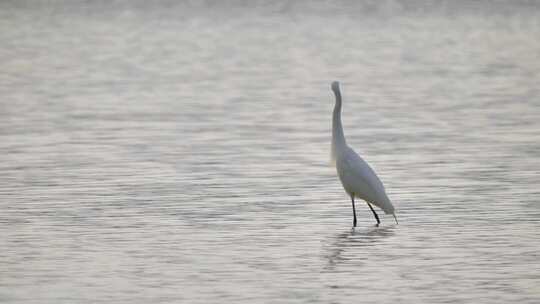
(395, 218)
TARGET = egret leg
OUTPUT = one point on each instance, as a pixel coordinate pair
(374, 213)
(395, 218)
(353, 211)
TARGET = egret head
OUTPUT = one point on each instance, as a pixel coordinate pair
(335, 87)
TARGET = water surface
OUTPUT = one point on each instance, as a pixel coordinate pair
(179, 153)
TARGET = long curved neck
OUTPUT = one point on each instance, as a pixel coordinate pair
(338, 138)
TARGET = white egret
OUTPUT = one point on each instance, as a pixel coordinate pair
(356, 176)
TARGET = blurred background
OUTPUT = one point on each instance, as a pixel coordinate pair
(179, 152)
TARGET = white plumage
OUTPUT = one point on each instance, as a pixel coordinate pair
(356, 176)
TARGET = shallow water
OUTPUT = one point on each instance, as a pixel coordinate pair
(180, 153)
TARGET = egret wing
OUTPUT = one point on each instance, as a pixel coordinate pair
(363, 181)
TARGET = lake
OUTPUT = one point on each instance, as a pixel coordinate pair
(179, 152)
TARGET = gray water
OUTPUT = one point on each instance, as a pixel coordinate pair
(179, 153)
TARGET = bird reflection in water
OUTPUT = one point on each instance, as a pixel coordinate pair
(354, 238)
